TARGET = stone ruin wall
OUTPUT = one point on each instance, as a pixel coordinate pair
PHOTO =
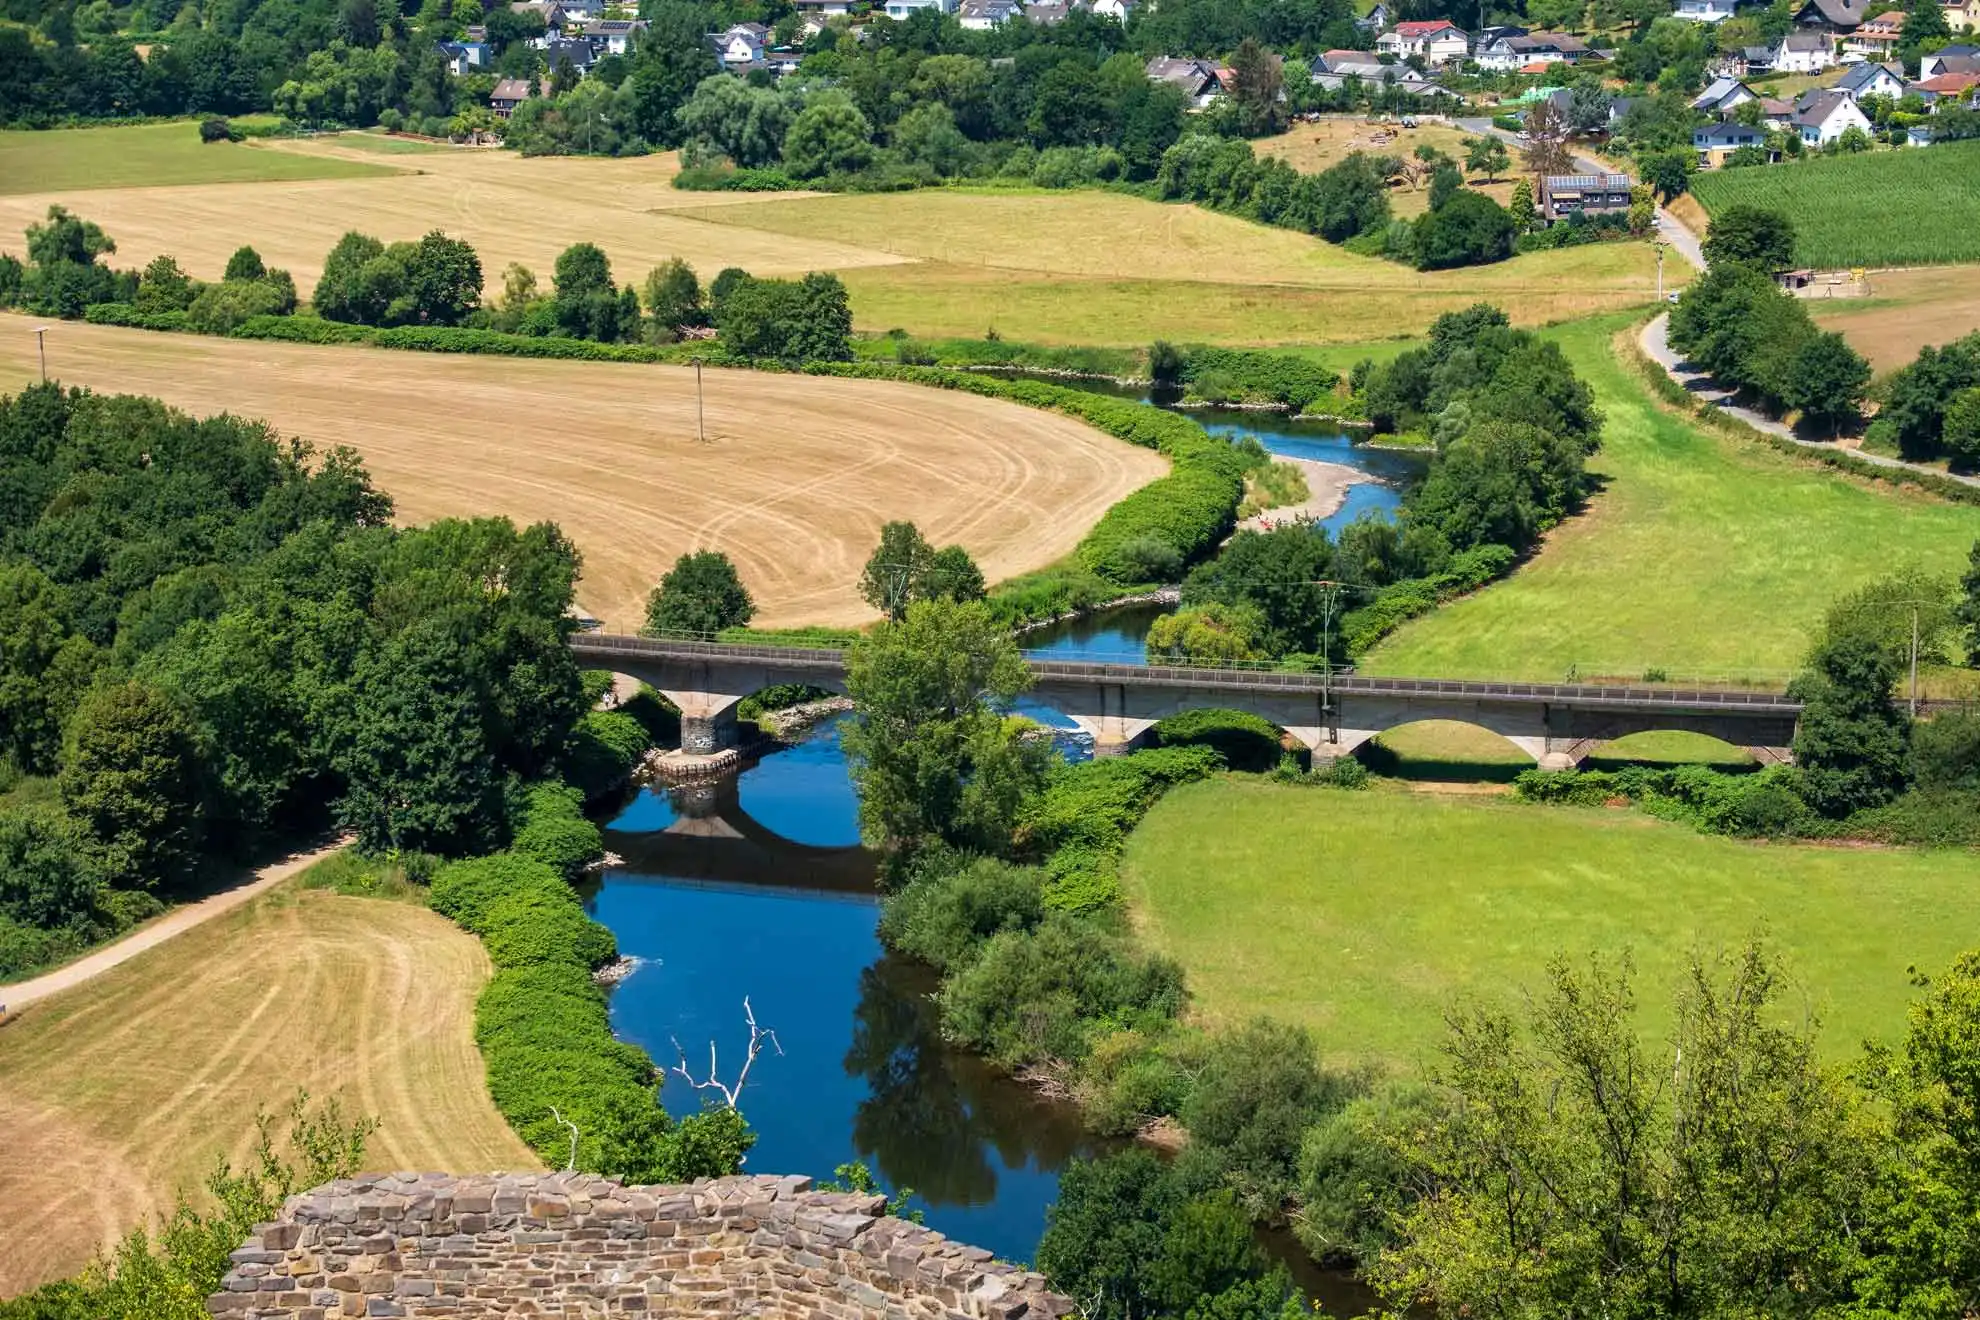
(567, 1245)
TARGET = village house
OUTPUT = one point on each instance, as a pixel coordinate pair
(1861, 81)
(462, 57)
(575, 56)
(1534, 50)
(1823, 117)
(1197, 78)
(550, 11)
(1838, 18)
(1362, 64)
(1875, 39)
(1436, 41)
(741, 47)
(1116, 9)
(508, 94)
(1045, 13)
(1941, 90)
(1487, 35)
(1704, 11)
(1563, 195)
(827, 8)
(1722, 96)
(1715, 142)
(1961, 15)
(904, 9)
(1377, 19)
(983, 15)
(1803, 52)
(612, 36)
(1950, 59)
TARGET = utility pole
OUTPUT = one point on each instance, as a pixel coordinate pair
(41, 345)
(1914, 660)
(1660, 270)
(700, 423)
(1330, 595)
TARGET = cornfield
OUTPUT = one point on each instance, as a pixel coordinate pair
(1907, 207)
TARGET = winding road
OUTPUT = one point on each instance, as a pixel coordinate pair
(1655, 340)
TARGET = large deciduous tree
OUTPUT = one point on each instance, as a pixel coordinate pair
(131, 781)
(932, 751)
(701, 595)
(1752, 235)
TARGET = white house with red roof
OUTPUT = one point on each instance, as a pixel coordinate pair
(1438, 41)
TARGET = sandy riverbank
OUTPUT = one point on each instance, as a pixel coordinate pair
(1326, 490)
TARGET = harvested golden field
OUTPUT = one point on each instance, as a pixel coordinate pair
(1906, 310)
(797, 478)
(117, 1093)
(1312, 147)
(509, 208)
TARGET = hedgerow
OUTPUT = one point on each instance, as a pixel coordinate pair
(301, 330)
(454, 339)
(604, 747)
(541, 1021)
(1399, 602)
(1749, 805)
(1259, 377)
(126, 314)
(1244, 741)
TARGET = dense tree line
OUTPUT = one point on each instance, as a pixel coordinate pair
(1512, 427)
(214, 639)
(1735, 323)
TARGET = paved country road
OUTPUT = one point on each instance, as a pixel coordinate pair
(1656, 342)
(176, 922)
(1669, 230)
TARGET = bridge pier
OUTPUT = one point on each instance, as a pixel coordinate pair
(1112, 735)
(1554, 753)
(1772, 755)
(1327, 743)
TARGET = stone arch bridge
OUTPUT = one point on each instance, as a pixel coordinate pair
(1558, 724)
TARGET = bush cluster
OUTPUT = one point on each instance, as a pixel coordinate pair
(606, 746)
(541, 1021)
(1255, 377)
(1399, 602)
(1765, 804)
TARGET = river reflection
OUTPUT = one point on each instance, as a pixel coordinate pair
(757, 887)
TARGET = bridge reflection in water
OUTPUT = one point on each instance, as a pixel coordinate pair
(757, 887)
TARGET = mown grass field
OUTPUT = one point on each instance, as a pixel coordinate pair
(117, 1093)
(151, 156)
(1918, 207)
(1366, 915)
(799, 474)
(1707, 557)
(1906, 310)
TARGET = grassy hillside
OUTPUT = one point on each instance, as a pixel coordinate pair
(1363, 914)
(1702, 555)
(1916, 207)
(149, 156)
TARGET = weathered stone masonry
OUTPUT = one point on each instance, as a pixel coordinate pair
(567, 1245)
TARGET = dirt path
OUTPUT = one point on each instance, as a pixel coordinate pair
(13, 998)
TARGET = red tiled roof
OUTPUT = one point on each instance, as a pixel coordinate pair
(1949, 84)
(1420, 29)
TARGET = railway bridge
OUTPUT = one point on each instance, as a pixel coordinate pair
(1558, 724)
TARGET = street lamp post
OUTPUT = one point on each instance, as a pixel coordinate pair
(1660, 270)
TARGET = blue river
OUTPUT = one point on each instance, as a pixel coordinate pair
(758, 888)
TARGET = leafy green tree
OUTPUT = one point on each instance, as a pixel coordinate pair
(1753, 235)
(932, 753)
(1520, 207)
(701, 594)
(1960, 436)
(896, 569)
(443, 281)
(829, 136)
(1257, 84)
(1275, 574)
(670, 62)
(951, 575)
(44, 668)
(1580, 1172)
(1669, 172)
(587, 305)
(1469, 229)
(1826, 380)
(673, 299)
(1257, 1090)
(130, 779)
(1850, 743)
(245, 264)
(1356, 1179)
(164, 287)
(1488, 156)
(1205, 634)
(45, 880)
(728, 117)
(1925, 28)
(64, 274)
(351, 287)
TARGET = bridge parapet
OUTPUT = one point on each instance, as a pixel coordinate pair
(1557, 723)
